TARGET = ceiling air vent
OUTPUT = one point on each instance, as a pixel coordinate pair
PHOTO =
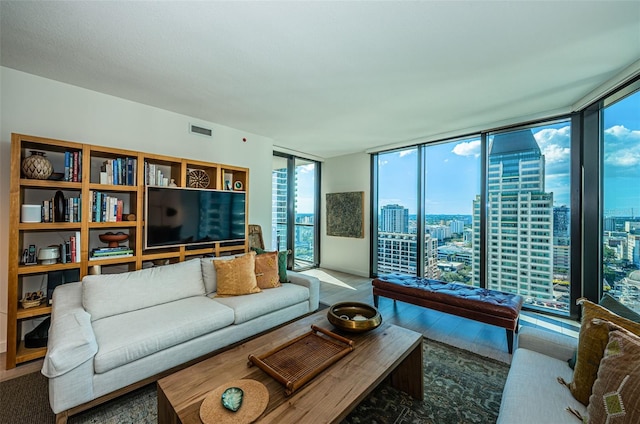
(207, 132)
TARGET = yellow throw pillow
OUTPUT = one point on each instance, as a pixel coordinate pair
(591, 344)
(267, 270)
(237, 276)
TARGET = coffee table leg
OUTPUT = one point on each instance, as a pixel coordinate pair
(166, 413)
(408, 376)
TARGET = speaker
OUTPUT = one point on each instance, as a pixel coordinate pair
(31, 213)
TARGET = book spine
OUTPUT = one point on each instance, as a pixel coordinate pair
(119, 207)
(79, 167)
(77, 246)
(72, 243)
(67, 249)
(135, 172)
(76, 209)
(103, 209)
(68, 216)
(129, 171)
(67, 161)
(75, 166)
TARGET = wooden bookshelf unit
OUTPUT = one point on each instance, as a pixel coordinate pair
(80, 171)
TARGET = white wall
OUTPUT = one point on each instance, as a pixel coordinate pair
(42, 107)
(344, 174)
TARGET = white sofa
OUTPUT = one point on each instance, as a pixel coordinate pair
(111, 331)
(532, 393)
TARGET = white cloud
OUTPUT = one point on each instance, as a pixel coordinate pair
(304, 169)
(467, 148)
(555, 144)
(407, 152)
(382, 162)
(621, 147)
(555, 153)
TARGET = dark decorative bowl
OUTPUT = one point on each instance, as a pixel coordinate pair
(354, 317)
(113, 239)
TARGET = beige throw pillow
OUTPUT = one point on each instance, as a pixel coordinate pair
(616, 392)
(591, 343)
(267, 270)
(236, 276)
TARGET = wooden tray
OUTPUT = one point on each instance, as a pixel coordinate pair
(297, 361)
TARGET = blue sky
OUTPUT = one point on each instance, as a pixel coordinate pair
(622, 157)
(453, 169)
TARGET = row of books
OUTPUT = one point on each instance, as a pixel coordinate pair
(72, 211)
(119, 171)
(73, 166)
(154, 176)
(110, 252)
(70, 250)
(105, 208)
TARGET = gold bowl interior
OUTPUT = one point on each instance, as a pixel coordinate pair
(354, 317)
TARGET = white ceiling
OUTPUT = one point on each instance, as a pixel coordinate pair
(331, 78)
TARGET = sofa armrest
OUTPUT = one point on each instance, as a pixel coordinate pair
(310, 282)
(71, 338)
(555, 345)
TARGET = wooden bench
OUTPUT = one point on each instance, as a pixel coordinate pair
(483, 305)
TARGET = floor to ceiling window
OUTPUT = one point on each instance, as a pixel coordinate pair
(621, 196)
(397, 246)
(452, 182)
(528, 214)
(295, 208)
(522, 213)
(553, 207)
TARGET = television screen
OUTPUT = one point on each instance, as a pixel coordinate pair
(176, 216)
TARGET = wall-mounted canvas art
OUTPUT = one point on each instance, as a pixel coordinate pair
(345, 214)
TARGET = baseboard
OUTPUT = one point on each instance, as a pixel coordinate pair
(356, 272)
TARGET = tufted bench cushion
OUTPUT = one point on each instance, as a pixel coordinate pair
(489, 306)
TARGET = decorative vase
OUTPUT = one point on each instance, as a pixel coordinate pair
(59, 207)
(37, 166)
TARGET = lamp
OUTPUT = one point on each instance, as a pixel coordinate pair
(48, 255)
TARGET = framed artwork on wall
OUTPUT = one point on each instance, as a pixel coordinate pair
(345, 214)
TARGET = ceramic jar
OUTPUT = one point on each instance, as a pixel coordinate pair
(37, 166)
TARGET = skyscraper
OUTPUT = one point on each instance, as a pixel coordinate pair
(398, 249)
(279, 209)
(520, 219)
(394, 219)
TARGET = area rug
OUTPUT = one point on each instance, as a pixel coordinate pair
(460, 387)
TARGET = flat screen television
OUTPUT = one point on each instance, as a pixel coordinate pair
(180, 216)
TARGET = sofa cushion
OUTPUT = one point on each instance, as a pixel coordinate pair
(127, 337)
(237, 276)
(247, 308)
(267, 270)
(209, 271)
(615, 395)
(533, 395)
(282, 262)
(112, 294)
(591, 343)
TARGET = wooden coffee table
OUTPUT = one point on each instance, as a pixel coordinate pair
(387, 352)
